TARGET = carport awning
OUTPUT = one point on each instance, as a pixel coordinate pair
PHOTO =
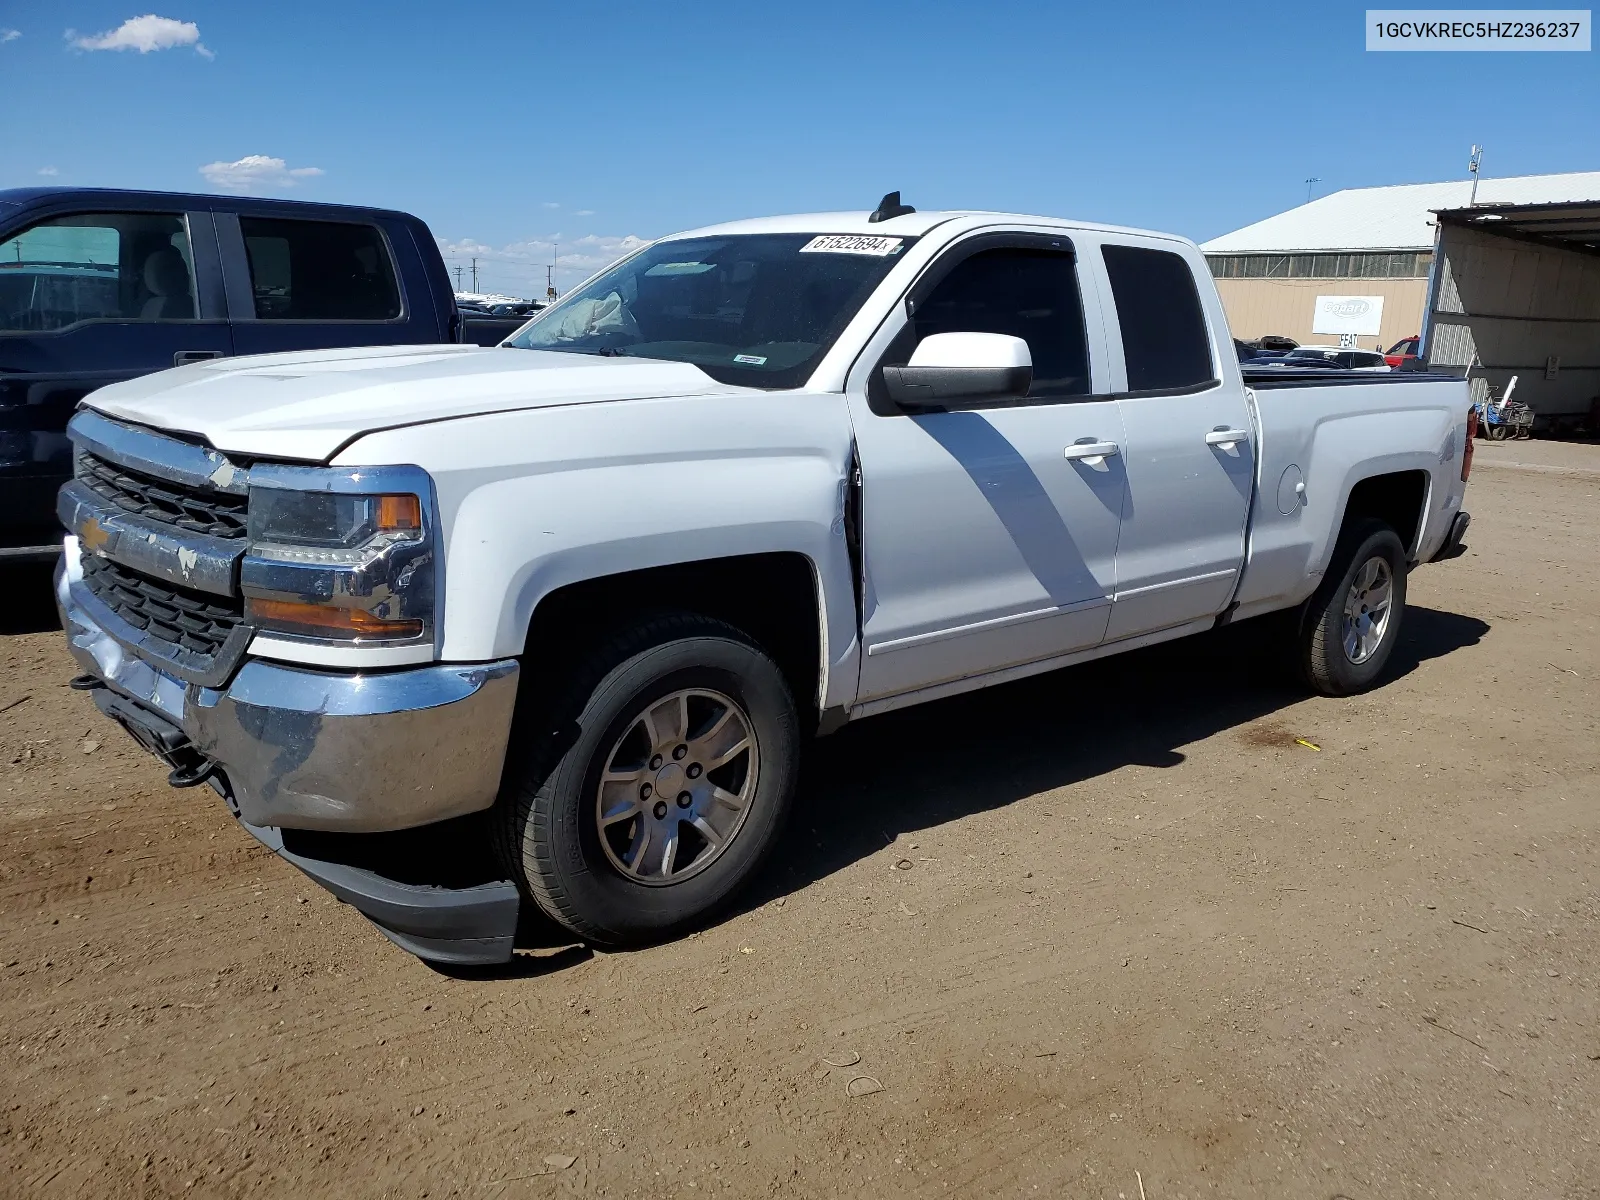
(1573, 226)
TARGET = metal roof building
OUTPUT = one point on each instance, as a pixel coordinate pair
(1393, 218)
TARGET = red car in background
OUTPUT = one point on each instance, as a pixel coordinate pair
(1406, 348)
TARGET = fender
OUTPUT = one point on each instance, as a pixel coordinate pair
(535, 500)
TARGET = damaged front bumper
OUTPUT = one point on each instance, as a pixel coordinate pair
(309, 758)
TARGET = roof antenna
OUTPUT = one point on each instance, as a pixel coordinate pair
(890, 206)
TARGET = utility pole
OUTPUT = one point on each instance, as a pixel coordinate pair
(458, 277)
(1309, 182)
(1473, 164)
(474, 276)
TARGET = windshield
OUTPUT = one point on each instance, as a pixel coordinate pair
(756, 309)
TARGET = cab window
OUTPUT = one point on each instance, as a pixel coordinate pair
(319, 271)
(1022, 291)
(1165, 344)
(1027, 293)
(96, 267)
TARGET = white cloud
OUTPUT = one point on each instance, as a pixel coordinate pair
(144, 34)
(520, 266)
(551, 204)
(256, 171)
(48, 171)
(9, 35)
(584, 212)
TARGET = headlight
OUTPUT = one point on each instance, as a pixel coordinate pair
(328, 527)
(341, 555)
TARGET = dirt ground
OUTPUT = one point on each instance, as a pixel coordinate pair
(1119, 928)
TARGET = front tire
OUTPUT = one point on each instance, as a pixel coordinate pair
(1352, 622)
(656, 788)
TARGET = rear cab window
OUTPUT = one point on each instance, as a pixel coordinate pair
(95, 267)
(1165, 341)
(319, 271)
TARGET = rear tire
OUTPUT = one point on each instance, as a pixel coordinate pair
(620, 822)
(1350, 625)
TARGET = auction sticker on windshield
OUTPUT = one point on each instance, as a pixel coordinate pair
(851, 243)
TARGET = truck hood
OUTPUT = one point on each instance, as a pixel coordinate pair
(308, 404)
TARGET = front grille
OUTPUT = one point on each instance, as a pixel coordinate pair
(219, 514)
(184, 619)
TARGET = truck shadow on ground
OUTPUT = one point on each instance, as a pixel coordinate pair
(911, 770)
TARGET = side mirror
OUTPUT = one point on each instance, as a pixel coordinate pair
(961, 366)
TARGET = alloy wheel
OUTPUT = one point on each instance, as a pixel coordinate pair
(676, 786)
(1366, 609)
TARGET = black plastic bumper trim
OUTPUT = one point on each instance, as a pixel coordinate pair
(1453, 547)
(461, 926)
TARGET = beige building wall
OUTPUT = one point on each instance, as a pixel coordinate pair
(1258, 306)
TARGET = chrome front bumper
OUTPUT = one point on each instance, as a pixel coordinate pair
(318, 750)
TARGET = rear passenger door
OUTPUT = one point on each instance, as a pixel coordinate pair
(302, 284)
(1190, 457)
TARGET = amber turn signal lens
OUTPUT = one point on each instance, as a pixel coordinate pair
(398, 513)
(324, 620)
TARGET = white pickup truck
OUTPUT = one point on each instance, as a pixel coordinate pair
(458, 631)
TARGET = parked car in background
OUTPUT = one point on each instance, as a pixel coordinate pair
(1403, 352)
(1337, 356)
(489, 320)
(1275, 343)
(516, 308)
(99, 286)
(543, 627)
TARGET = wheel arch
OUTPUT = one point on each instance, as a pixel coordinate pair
(777, 598)
(1397, 498)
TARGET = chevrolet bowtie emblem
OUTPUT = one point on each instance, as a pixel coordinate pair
(92, 535)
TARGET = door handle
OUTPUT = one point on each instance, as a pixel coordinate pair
(184, 357)
(1091, 452)
(1226, 437)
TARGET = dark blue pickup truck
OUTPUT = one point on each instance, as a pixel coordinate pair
(98, 286)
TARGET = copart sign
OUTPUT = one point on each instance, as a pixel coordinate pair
(1347, 314)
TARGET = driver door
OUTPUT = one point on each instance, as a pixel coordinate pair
(985, 544)
(89, 299)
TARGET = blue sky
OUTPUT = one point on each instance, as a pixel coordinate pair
(512, 126)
